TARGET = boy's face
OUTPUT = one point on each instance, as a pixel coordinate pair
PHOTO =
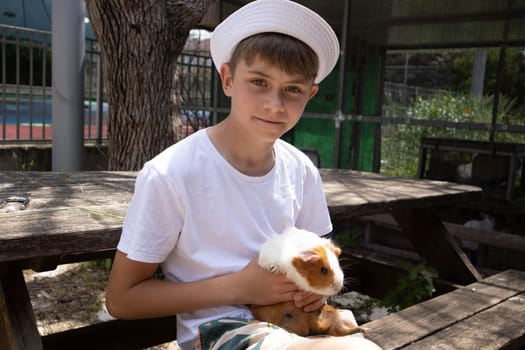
(265, 101)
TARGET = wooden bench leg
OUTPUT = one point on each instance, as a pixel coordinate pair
(436, 246)
(17, 321)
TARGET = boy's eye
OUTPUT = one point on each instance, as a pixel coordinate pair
(258, 82)
(294, 89)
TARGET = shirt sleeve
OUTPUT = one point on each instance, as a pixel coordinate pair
(154, 218)
(314, 215)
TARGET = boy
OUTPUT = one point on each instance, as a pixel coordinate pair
(203, 207)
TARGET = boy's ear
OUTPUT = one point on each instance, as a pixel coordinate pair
(313, 91)
(226, 79)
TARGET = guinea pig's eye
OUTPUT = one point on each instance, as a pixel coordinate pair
(324, 270)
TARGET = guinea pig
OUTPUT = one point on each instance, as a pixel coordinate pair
(326, 320)
(312, 263)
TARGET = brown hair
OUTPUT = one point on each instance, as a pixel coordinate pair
(289, 54)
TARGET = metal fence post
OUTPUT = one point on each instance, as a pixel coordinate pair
(68, 83)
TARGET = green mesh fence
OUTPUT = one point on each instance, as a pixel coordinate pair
(320, 133)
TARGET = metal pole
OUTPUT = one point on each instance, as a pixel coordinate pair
(497, 93)
(341, 86)
(378, 128)
(216, 78)
(499, 77)
(405, 73)
(68, 41)
(478, 73)
(100, 99)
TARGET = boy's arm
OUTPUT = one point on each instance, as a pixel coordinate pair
(133, 293)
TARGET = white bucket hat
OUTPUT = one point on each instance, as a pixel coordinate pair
(278, 16)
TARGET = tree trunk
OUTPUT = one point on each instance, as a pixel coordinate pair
(139, 43)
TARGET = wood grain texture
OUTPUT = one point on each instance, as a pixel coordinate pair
(456, 319)
(77, 211)
(435, 245)
(354, 193)
(488, 237)
(18, 327)
(68, 213)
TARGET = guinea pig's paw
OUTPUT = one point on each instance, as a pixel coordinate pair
(354, 330)
(363, 330)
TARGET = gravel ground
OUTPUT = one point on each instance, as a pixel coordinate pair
(70, 296)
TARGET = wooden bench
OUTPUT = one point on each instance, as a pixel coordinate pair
(489, 314)
(115, 334)
(490, 238)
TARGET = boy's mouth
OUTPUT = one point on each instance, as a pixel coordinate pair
(268, 121)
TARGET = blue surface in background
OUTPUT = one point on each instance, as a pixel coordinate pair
(38, 112)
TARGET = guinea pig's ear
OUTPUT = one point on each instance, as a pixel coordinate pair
(309, 256)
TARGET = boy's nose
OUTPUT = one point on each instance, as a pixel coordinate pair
(275, 102)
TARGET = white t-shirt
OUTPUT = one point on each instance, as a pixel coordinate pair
(200, 217)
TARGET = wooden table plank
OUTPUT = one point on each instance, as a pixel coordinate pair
(60, 220)
(72, 231)
(372, 192)
(500, 326)
(415, 323)
(52, 195)
(353, 193)
(68, 213)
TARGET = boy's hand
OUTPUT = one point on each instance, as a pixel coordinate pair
(262, 287)
(308, 301)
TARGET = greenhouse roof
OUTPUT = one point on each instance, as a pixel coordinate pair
(393, 24)
(407, 24)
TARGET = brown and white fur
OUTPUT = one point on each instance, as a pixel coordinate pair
(312, 263)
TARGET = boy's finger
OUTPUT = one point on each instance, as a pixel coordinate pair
(309, 301)
(314, 305)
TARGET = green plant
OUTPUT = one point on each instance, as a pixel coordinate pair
(417, 285)
(400, 143)
(25, 163)
(459, 67)
(349, 238)
(108, 263)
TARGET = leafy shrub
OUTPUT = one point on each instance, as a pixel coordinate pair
(400, 142)
(411, 289)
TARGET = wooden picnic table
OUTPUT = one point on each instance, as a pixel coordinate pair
(77, 216)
